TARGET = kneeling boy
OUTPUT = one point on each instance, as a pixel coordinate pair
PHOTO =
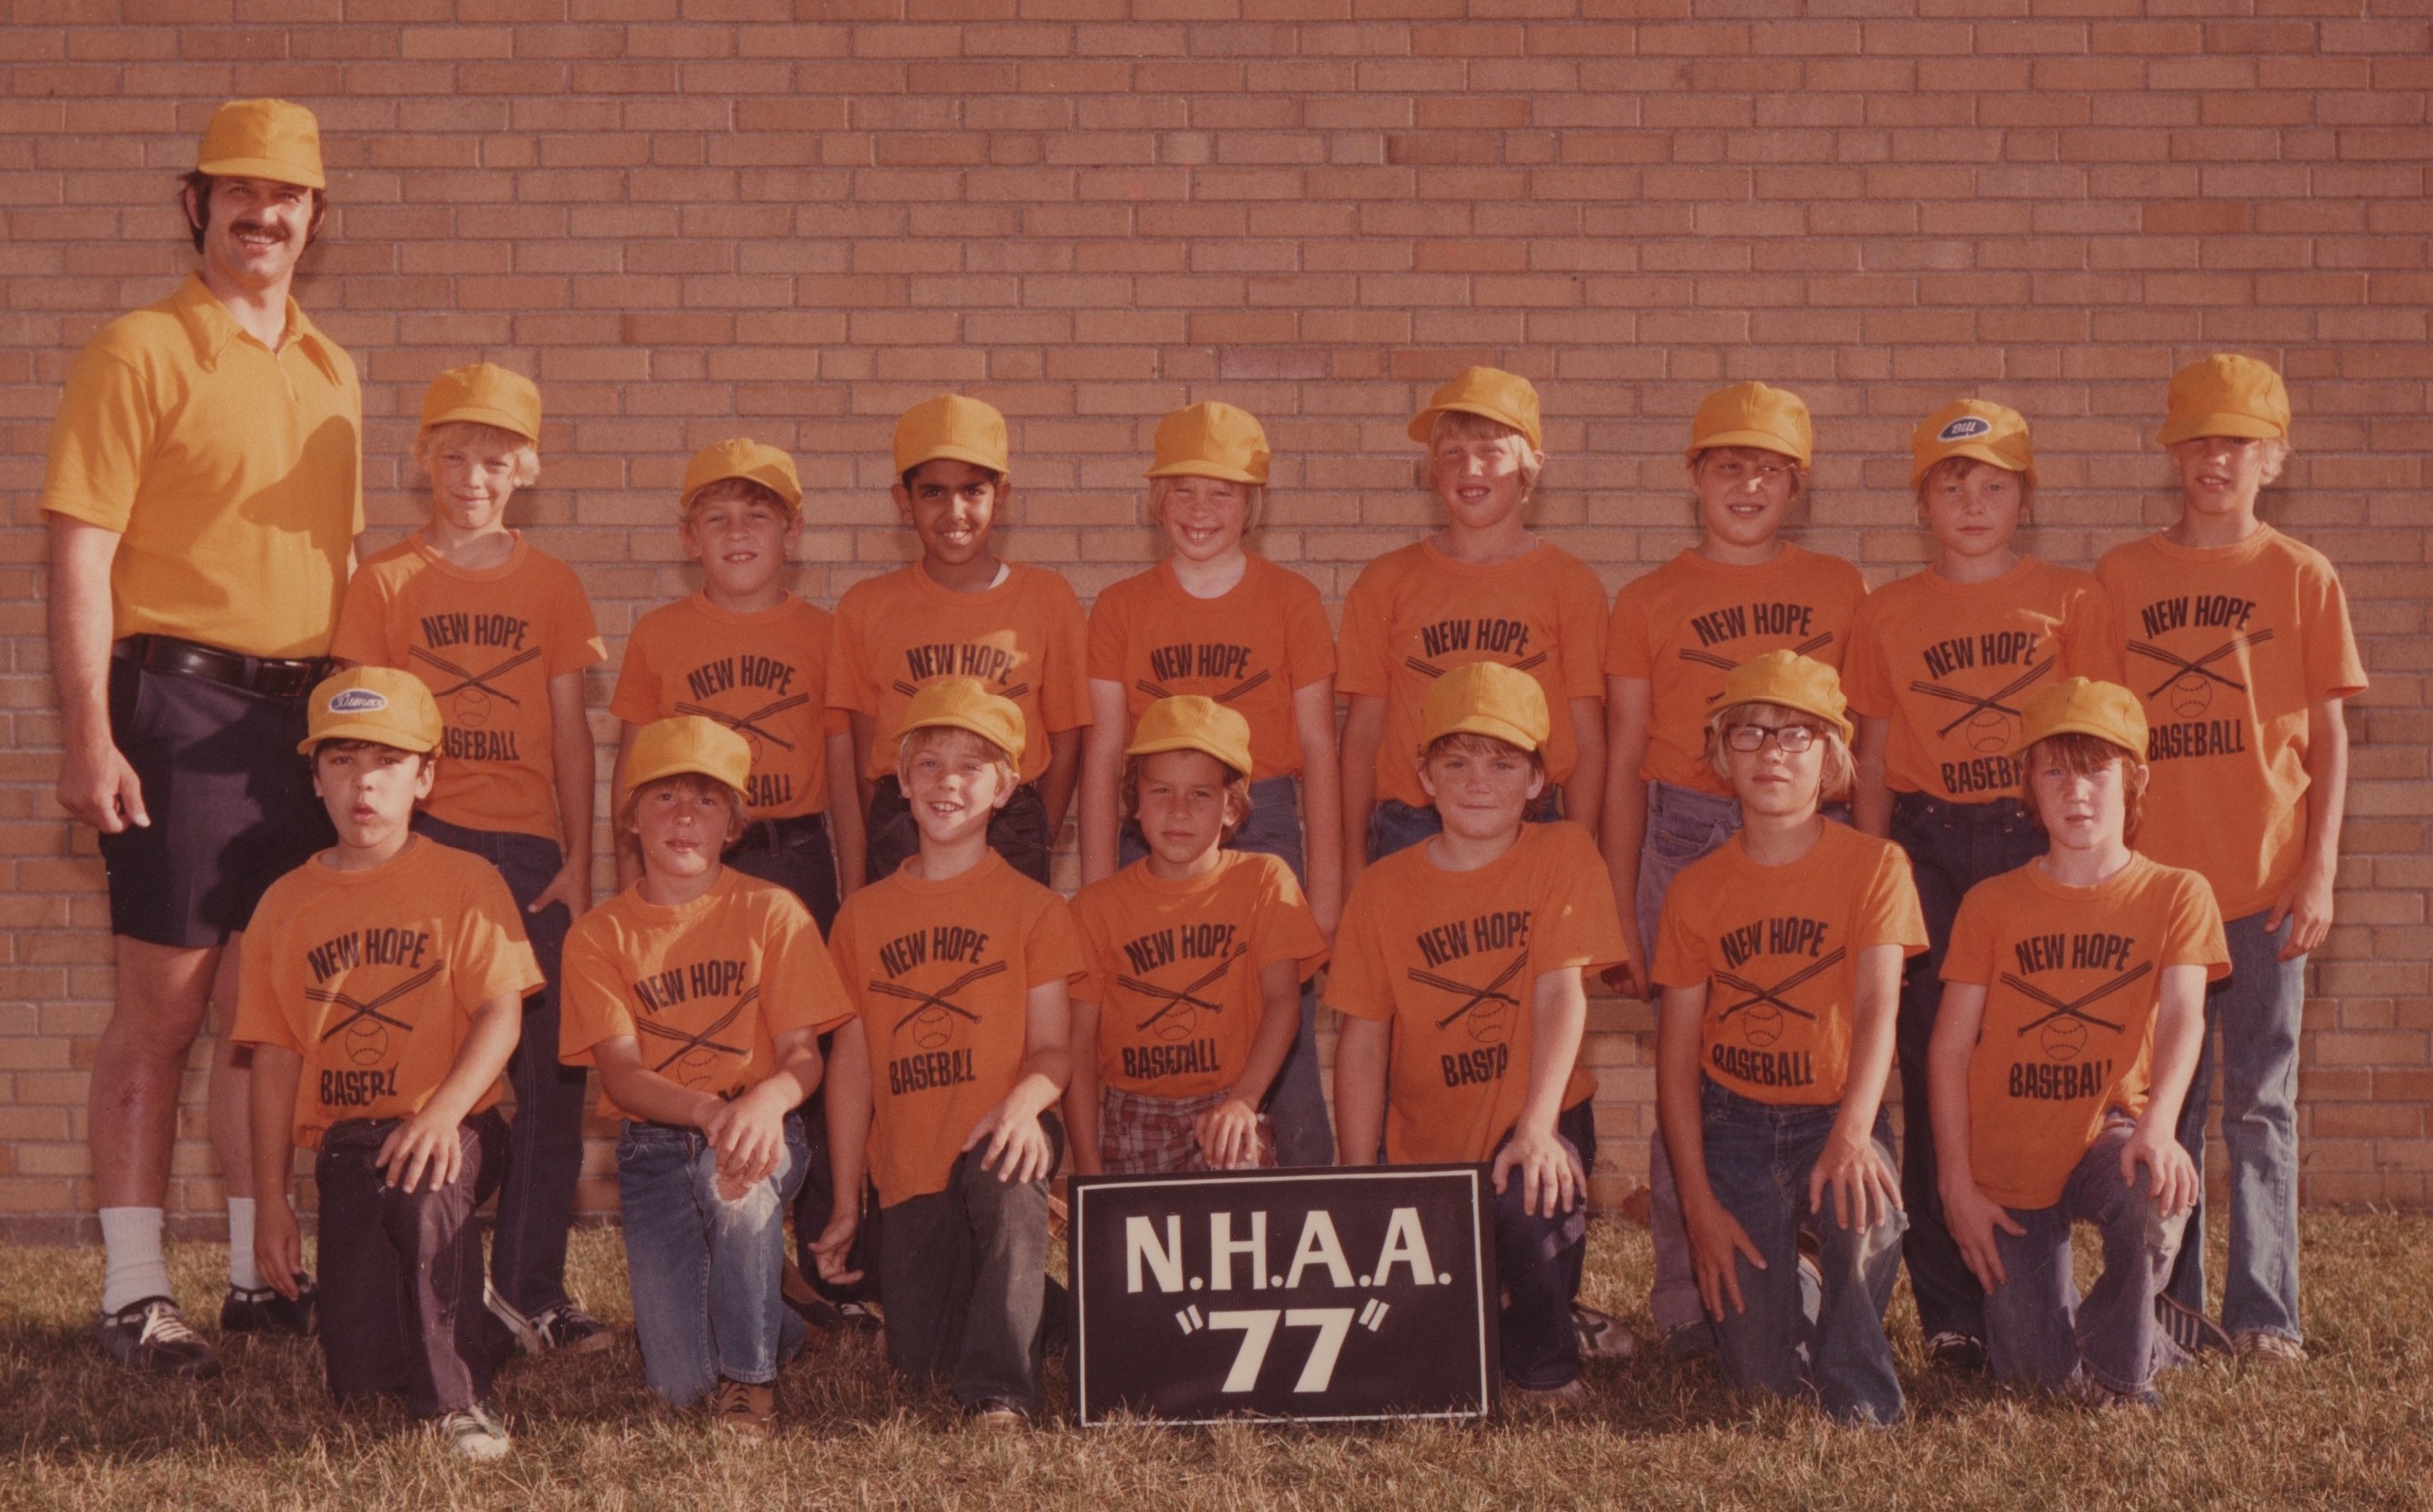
(2073, 1009)
(1457, 969)
(382, 991)
(958, 967)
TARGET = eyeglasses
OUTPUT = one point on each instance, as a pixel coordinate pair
(1791, 738)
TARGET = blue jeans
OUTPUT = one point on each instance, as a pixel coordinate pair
(1296, 1105)
(1538, 1260)
(1951, 848)
(706, 1299)
(2037, 1329)
(545, 1141)
(2251, 1033)
(1757, 1161)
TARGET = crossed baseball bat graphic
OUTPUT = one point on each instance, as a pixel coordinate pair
(1175, 999)
(687, 1044)
(1429, 669)
(2202, 665)
(942, 998)
(1492, 993)
(910, 690)
(2075, 1008)
(742, 723)
(1774, 995)
(1710, 659)
(1992, 700)
(357, 1012)
(476, 680)
(1155, 690)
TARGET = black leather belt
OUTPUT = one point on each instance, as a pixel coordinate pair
(271, 676)
(773, 834)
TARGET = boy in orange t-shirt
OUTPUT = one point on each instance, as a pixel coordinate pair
(700, 992)
(1781, 957)
(959, 968)
(961, 612)
(1741, 591)
(502, 634)
(1483, 588)
(2236, 638)
(1198, 955)
(1940, 665)
(1218, 621)
(382, 992)
(1458, 972)
(2072, 1008)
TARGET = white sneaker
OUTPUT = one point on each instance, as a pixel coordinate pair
(473, 1433)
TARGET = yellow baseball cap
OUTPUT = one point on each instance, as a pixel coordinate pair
(688, 744)
(2226, 394)
(1791, 681)
(484, 393)
(753, 460)
(1752, 415)
(952, 427)
(1974, 428)
(1485, 698)
(1506, 398)
(1191, 722)
(2078, 705)
(1211, 440)
(377, 704)
(962, 704)
(263, 139)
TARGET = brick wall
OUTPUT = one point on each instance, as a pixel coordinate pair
(688, 217)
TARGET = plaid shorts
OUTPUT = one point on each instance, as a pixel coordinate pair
(1141, 1135)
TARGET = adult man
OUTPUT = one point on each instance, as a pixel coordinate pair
(203, 495)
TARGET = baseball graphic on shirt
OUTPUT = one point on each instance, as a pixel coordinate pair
(2190, 696)
(366, 1042)
(1989, 731)
(932, 1028)
(2063, 1039)
(1177, 1024)
(696, 1069)
(471, 708)
(1761, 1024)
(1491, 1022)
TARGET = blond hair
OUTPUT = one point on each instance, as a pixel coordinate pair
(738, 490)
(1463, 425)
(936, 737)
(1840, 771)
(469, 433)
(1153, 502)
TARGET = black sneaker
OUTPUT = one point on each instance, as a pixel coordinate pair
(566, 1328)
(859, 1318)
(151, 1335)
(1957, 1352)
(261, 1309)
(2188, 1328)
(1602, 1335)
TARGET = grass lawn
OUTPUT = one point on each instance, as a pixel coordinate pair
(2351, 1429)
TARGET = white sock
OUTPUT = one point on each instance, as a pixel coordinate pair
(241, 1272)
(132, 1268)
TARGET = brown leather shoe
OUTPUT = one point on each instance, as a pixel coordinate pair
(745, 1409)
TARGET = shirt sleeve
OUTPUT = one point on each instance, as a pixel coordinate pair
(1627, 652)
(492, 957)
(2193, 935)
(806, 992)
(1889, 912)
(1969, 956)
(850, 687)
(2334, 668)
(1361, 982)
(1865, 680)
(258, 1018)
(637, 698)
(1109, 632)
(1283, 927)
(1362, 665)
(591, 997)
(574, 632)
(1064, 692)
(1576, 923)
(1309, 641)
(105, 429)
(2089, 648)
(362, 634)
(1681, 957)
(1052, 951)
(1581, 614)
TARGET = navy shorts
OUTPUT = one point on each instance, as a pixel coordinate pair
(230, 801)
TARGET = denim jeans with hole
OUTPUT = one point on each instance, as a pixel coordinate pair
(2038, 1330)
(1759, 1156)
(704, 1270)
(2251, 1033)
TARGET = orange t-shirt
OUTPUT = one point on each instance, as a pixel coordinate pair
(1175, 969)
(2228, 646)
(704, 987)
(372, 976)
(1415, 614)
(2073, 978)
(1251, 648)
(1952, 664)
(486, 644)
(1778, 947)
(1684, 625)
(764, 675)
(1452, 960)
(941, 973)
(1025, 639)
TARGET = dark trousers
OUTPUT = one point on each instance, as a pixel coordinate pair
(1951, 848)
(1018, 832)
(963, 1276)
(402, 1312)
(544, 1157)
(794, 854)
(1538, 1262)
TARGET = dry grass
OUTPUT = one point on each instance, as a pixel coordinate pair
(2349, 1430)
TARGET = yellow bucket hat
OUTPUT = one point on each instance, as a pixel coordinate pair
(1191, 722)
(2226, 394)
(689, 745)
(1506, 399)
(1973, 427)
(954, 428)
(1752, 415)
(962, 704)
(263, 139)
(377, 704)
(1211, 440)
(753, 461)
(1791, 681)
(2080, 705)
(1485, 698)
(484, 393)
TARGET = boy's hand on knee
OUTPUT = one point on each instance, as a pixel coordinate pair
(278, 1245)
(2171, 1175)
(1971, 1217)
(1017, 1150)
(1552, 1179)
(748, 1135)
(423, 1143)
(1865, 1191)
(1228, 1135)
(834, 1242)
(1715, 1238)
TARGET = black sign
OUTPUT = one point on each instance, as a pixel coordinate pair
(1326, 1296)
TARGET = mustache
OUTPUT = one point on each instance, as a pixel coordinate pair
(256, 227)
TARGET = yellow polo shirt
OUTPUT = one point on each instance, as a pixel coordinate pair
(232, 474)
